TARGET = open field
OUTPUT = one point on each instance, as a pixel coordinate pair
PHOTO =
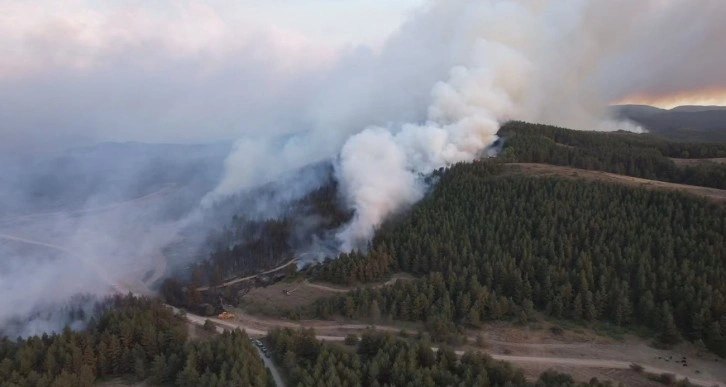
(301, 293)
(584, 355)
(581, 353)
(273, 297)
(537, 348)
(714, 194)
(249, 277)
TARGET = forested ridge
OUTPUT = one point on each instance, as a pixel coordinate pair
(383, 360)
(492, 246)
(246, 245)
(625, 153)
(137, 339)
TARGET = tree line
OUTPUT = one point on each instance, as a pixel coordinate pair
(383, 360)
(490, 246)
(643, 156)
(245, 245)
(137, 339)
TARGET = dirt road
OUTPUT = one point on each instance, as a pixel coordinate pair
(336, 331)
(575, 173)
(100, 271)
(136, 287)
(595, 363)
(273, 369)
(162, 192)
(335, 289)
(249, 277)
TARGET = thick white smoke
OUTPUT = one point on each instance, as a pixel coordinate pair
(434, 93)
(439, 89)
(501, 78)
(380, 171)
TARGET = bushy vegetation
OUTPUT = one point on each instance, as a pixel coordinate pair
(137, 339)
(492, 246)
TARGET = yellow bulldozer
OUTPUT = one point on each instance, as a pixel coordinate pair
(226, 316)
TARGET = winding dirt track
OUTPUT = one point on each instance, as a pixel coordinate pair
(100, 271)
(260, 326)
(348, 290)
(249, 277)
(595, 363)
(539, 169)
(14, 219)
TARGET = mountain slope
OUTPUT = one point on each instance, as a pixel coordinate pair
(684, 123)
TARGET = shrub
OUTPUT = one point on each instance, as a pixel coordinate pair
(351, 339)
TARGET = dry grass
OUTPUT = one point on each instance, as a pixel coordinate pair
(714, 194)
(274, 297)
(118, 382)
(305, 293)
(584, 343)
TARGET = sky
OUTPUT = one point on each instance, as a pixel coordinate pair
(388, 90)
(77, 72)
(333, 21)
(83, 71)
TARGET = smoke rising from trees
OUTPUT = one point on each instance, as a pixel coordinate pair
(434, 93)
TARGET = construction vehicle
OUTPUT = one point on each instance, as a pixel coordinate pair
(226, 316)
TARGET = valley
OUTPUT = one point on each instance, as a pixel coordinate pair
(333, 298)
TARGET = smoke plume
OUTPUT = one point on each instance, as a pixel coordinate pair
(431, 94)
(437, 91)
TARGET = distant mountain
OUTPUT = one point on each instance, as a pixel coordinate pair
(684, 123)
(110, 172)
(697, 109)
(637, 110)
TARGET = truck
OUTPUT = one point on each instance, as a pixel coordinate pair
(226, 316)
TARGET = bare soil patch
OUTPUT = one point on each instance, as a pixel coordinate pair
(585, 354)
(581, 352)
(345, 289)
(288, 296)
(118, 382)
(274, 296)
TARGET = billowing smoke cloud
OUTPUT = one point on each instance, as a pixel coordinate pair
(381, 171)
(93, 223)
(434, 93)
(438, 90)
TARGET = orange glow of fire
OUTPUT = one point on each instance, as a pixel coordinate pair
(701, 98)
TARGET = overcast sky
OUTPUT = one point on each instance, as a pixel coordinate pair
(82, 71)
(76, 72)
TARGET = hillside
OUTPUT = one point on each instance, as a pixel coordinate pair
(624, 153)
(136, 340)
(531, 169)
(592, 228)
(112, 172)
(683, 123)
(495, 243)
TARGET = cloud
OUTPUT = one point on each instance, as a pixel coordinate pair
(80, 75)
(431, 94)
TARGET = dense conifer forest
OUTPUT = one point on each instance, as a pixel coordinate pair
(624, 153)
(490, 246)
(245, 245)
(134, 339)
(383, 360)
(483, 245)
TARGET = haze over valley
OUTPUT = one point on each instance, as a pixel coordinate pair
(534, 181)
